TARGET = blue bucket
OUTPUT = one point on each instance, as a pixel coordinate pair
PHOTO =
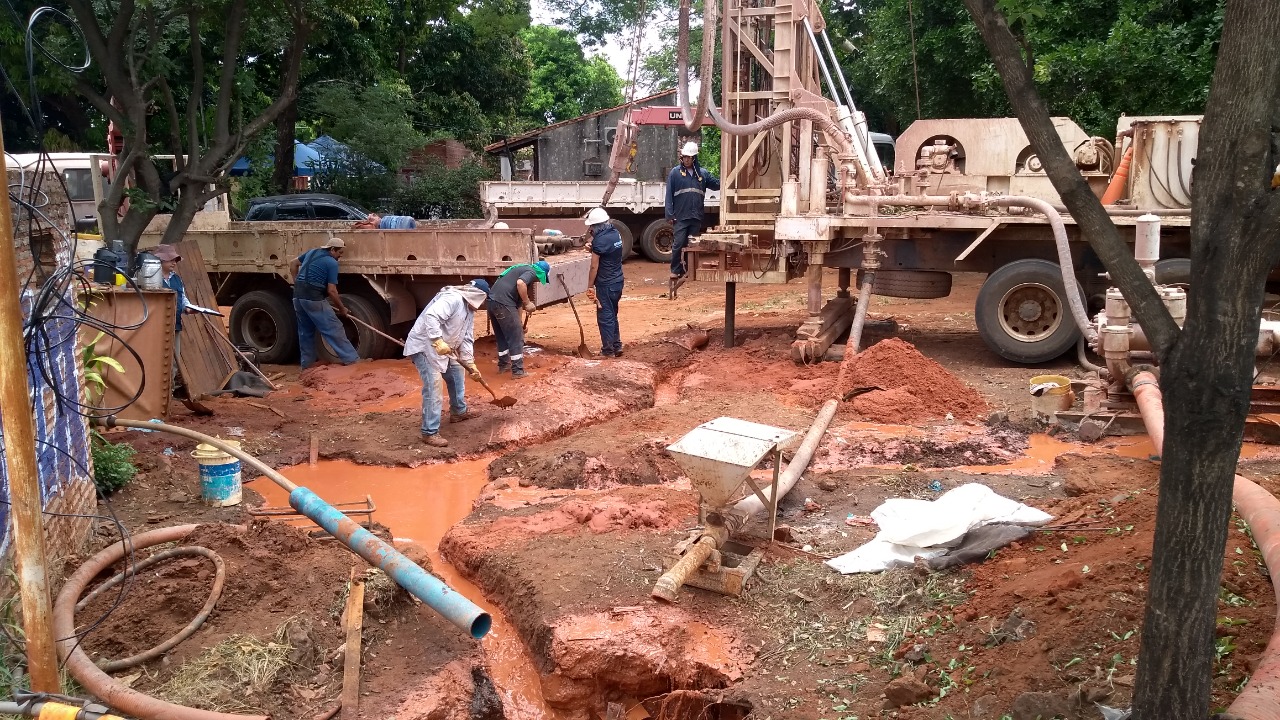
(219, 475)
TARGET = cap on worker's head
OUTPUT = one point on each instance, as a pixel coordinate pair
(482, 284)
(542, 267)
(690, 149)
(334, 242)
(166, 253)
(597, 216)
(501, 226)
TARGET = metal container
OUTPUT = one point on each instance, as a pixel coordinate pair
(149, 275)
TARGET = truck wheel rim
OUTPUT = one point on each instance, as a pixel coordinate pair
(259, 329)
(1030, 312)
(664, 240)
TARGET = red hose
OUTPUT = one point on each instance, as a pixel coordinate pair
(103, 686)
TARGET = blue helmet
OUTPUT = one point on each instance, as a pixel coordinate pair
(482, 284)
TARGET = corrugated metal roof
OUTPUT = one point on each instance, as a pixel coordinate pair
(515, 142)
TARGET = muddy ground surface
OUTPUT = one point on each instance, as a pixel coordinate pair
(583, 507)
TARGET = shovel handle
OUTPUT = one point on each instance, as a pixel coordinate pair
(366, 325)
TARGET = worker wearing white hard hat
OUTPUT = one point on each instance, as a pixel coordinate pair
(604, 285)
(687, 186)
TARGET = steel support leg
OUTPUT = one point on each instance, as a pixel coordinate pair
(730, 307)
(846, 275)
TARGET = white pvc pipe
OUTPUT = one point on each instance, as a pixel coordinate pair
(750, 505)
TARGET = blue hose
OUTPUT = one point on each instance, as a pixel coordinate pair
(450, 603)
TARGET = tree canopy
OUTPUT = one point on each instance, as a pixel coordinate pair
(564, 83)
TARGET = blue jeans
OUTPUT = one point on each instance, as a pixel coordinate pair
(509, 333)
(431, 401)
(683, 229)
(318, 315)
(607, 319)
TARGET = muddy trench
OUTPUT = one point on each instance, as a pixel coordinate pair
(558, 516)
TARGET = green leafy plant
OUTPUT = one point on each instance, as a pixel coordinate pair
(111, 467)
(94, 382)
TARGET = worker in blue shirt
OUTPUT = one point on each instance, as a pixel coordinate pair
(508, 295)
(315, 286)
(604, 286)
(687, 186)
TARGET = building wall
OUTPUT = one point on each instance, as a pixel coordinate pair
(564, 151)
(62, 435)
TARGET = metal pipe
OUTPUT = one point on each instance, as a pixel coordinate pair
(848, 96)
(750, 505)
(99, 684)
(859, 118)
(730, 312)
(1145, 387)
(860, 312)
(822, 63)
(450, 603)
(1083, 358)
(1135, 212)
(22, 469)
(421, 584)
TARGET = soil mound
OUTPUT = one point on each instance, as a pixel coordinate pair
(911, 387)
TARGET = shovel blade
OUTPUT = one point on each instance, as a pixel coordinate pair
(584, 351)
(505, 401)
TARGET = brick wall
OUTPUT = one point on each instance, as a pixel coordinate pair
(62, 435)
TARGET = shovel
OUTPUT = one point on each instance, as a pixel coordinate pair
(505, 401)
(583, 350)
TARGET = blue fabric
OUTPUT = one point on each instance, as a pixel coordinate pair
(318, 316)
(174, 283)
(509, 333)
(397, 222)
(432, 403)
(686, 191)
(683, 229)
(607, 317)
(505, 292)
(482, 284)
(318, 270)
(606, 242)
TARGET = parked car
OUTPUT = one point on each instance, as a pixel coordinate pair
(304, 206)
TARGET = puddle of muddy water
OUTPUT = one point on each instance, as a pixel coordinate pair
(419, 505)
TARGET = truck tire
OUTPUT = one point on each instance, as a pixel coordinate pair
(913, 284)
(628, 238)
(1174, 271)
(367, 343)
(655, 241)
(264, 320)
(1022, 312)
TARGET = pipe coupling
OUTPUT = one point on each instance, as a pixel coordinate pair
(1136, 370)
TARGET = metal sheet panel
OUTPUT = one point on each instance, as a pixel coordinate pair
(719, 455)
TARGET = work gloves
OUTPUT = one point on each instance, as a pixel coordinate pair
(441, 347)
(472, 370)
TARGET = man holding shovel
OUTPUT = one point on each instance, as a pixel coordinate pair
(441, 343)
(511, 294)
(604, 286)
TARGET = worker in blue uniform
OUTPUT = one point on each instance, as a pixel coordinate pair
(687, 186)
(604, 286)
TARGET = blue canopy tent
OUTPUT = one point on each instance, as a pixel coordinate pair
(305, 161)
(332, 151)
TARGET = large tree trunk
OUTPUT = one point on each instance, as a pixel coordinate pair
(1206, 369)
(286, 129)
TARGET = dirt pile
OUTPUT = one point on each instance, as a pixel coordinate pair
(911, 388)
(940, 447)
(283, 598)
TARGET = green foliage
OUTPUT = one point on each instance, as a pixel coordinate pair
(1093, 59)
(564, 83)
(111, 467)
(439, 193)
(94, 367)
(374, 121)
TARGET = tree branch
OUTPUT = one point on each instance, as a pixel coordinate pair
(230, 53)
(1085, 208)
(197, 88)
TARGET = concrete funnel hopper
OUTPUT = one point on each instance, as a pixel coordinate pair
(718, 456)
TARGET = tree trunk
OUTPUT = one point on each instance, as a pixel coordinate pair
(1207, 379)
(282, 171)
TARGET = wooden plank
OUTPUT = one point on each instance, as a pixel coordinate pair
(203, 358)
(352, 620)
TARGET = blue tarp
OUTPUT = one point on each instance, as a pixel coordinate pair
(332, 150)
(305, 160)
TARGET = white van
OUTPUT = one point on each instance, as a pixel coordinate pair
(76, 170)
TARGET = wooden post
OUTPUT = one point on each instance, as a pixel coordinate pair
(20, 462)
(353, 621)
(315, 448)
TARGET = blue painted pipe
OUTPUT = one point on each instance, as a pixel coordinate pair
(423, 585)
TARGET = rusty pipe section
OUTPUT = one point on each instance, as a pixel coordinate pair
(721, 525)
(1145, 387)
(99, 684)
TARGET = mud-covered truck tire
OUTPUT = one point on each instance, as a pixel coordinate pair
(368, 343)
(264, 320)
(655, 241)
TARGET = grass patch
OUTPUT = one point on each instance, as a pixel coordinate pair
(231, 674)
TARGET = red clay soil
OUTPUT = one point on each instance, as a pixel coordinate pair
(1048, 631)
(912, 387)
(276, 574)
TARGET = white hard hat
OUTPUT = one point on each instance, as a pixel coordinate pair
(597, 216)
(690, 149)
(501, 226)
